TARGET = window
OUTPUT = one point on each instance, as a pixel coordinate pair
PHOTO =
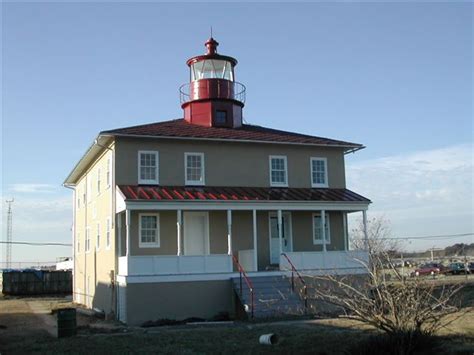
(221, 117)
(149, 227)
(78, 243)
(88, 240)
(278, 171)
(107, 233)
(317, 230)
(97, 245)
(108, 173)
(319, 173)
(89, 188)
(194, 167)
(212, 69)
(98, 181)
(148, 167)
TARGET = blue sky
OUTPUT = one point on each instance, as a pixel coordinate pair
(396, 77)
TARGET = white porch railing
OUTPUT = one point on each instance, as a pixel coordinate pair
(246, 259)
(174, 265)
(336, 261)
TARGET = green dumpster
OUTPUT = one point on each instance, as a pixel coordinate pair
(66, 322)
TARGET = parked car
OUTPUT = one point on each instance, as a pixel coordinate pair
(456, 269)
(471, 267)
(428, 269)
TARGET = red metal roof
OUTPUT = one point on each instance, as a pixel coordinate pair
(181, 129)
(183, 193)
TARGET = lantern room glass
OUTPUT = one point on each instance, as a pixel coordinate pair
(212, 69)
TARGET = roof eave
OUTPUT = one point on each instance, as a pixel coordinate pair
(86, 159)
(348, 148)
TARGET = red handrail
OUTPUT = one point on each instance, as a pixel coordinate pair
(247, 281)
(305, 288)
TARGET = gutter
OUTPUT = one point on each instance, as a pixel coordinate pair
(354, 147)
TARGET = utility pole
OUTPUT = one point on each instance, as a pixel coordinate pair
(9, 233)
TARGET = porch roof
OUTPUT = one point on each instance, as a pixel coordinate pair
(222, 193)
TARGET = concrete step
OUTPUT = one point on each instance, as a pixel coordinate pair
(273, 296)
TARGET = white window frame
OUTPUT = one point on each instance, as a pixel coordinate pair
(94, 211)
(87, 246)
(108, 174)
(325, 160)
(149, 245)
(278, 184)
(97, 237)
(78, 199)
(98, 181)
(157, 168)
(203, 169)
(328, 234)
(89, 188)
(78, 243)
(108, 233)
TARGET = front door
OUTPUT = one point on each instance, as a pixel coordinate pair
(196, 233)
(274, 240)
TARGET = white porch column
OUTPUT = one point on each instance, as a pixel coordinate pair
(255, 258)
(229, 232)
(344, 225)
(280, 232)
(366, 236)
(127, 232)
(178, 231)
(323, 229)
(119, 233)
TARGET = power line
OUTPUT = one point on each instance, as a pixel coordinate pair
(428, 237)
(38, 244)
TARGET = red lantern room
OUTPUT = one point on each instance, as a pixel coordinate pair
(212, 98)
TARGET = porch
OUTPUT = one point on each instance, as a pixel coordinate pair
(341, 262)
(194, 241)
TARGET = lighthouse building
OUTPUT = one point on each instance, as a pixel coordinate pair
(206, 215)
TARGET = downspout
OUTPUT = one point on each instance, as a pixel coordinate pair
(73, 241)
(112, 214)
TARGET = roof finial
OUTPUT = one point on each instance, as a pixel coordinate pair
(211, 45)
(211, 31)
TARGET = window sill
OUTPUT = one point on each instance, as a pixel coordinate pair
(149, 245)
(278, 185)
(319, 185)
(320, 242)
(195, 183)
(148, 182)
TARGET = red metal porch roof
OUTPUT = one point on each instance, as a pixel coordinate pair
(186, 193)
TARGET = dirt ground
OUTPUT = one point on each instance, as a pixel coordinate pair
(27, 326)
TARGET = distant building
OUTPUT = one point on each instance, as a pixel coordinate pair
(166, 214)
(65, 264)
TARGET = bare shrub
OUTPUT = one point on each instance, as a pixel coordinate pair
(405, 309)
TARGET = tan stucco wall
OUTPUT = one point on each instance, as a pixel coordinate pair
(227, 164)
(96, 264)
(178, 300)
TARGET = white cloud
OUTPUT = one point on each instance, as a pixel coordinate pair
(422, 193)
(32, 188)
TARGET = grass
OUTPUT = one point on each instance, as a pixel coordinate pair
(203, 340)
(323, 336)
(335, 336)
